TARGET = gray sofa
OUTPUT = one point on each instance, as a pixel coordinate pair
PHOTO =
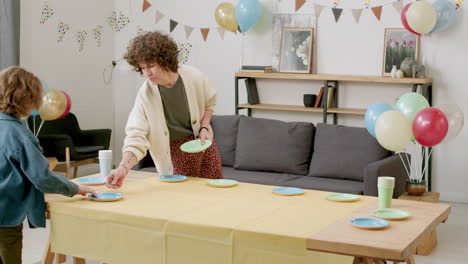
(298, 154)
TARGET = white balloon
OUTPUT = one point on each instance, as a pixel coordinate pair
(421, 17)
(393, 130)
(455, 119)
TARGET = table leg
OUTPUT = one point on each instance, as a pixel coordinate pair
(357, 260)
(78, 260)
(61, 258)
(48, 257)
(410, 260)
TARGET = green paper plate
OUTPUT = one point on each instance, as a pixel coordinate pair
(391, 214)
(194, 146)
(342, 197)
(222, 183)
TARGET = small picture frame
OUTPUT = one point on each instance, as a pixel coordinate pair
(296, 49)
(398, 45)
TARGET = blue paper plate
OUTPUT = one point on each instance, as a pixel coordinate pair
(92, 180)
(106, 197)
(173, 178)
(288, 191)
(369, 223)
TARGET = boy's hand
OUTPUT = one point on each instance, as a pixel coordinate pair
(83, 190)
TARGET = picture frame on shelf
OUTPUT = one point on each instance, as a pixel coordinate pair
(398, 45)
(296, 50)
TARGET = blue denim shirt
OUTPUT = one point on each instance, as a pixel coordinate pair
(25, 176)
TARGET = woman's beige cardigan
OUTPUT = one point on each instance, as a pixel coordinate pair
(146, 126)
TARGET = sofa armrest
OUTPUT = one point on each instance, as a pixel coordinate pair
(391, 166)
(54, 145)
(95, 137)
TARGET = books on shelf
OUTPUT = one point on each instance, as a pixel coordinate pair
(320, 102)
(257, 68)
(319, 98)
(252, 93)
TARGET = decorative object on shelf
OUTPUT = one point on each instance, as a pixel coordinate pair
(256, 68)
(416, 188)
(400, 74)
(419, 17)
(407, 66)
(419, 71)
(287, 20)
(393, 73)
(296, 50)
(309, 100)
(399, 44)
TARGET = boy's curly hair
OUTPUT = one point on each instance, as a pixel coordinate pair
(153, 47)
(20, 91)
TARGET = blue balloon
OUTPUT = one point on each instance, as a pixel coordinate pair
(35, 113)
(373, 113)
(45, 87)
(446, 13)
(248, 13)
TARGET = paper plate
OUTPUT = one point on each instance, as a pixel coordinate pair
(391, 214)
(288, 191)
(194, 146)
(92, 181)
(222, 183)
(173, 178)
(342, 197)
(106, 197)
(369, 223)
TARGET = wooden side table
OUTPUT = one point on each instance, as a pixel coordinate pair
(430, 242)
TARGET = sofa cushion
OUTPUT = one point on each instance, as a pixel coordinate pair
(343, 152)
(273, 145)
(225, 136)
(259, 177)
(326, 184)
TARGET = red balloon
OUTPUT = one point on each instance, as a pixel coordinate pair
(405, 21)
(430, 126)
(67, 108)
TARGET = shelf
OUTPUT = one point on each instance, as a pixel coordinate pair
(333, 77)
(349, 111)
(296, 108)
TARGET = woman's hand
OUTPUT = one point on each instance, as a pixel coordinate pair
(83, 190)
(204, 135)
(115, 180)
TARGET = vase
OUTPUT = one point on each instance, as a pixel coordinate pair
(393, 73)
(399, 74)
(415, 188)
(407, 66)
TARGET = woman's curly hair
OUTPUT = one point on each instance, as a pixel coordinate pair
(153, 47)
(20, 91)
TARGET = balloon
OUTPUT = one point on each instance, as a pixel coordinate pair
(455, 118)
(225, 15)
(35, 113)
(404, 20)
(446, 13)
(410, 104)
(421, 17)
(393, 130)
(373, 113)
(430, 126)
(54, 104)
(68, 107)
(45, 87)
(248, 13)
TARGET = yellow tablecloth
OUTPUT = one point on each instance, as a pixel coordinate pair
(190, 222)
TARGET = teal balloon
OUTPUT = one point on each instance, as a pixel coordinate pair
(410, 104)
(248, 13)
(446, 13)
(35, 113)
(373, 113)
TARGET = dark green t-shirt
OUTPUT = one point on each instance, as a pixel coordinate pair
(176, 110)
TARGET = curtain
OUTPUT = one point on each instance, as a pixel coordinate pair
(9, 33)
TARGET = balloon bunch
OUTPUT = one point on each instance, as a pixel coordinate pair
(240, 17)
(412, 120)
(56, 104)
(422, 17)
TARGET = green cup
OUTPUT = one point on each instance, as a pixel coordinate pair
(385, 197)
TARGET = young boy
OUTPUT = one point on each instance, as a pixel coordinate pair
(24, 171)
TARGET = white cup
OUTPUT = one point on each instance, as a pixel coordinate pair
(105, 162)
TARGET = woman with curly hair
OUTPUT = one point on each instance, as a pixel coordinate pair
(173, 106)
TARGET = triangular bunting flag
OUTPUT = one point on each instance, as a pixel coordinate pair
(184, 51)
(204, 32)
(62, 29)
(97, 33)
(47, 12)
(158, 17)
(173, 24)
(337, 13)
(398, 5)
(299, 4)
(318, 10)
(377, 12)
(188, 31)
(221, 32)
(80, 39)
(146, 5)
(357, 15)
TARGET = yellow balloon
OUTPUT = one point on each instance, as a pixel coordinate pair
(225, 15)
(393, 130)
(53, 105)
(421, 17)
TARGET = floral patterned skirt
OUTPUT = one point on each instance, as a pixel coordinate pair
(206, 164)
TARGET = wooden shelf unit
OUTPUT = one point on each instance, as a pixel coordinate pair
(327, 79)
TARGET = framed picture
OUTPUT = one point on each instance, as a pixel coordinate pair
(296, 50)
(399, 44)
